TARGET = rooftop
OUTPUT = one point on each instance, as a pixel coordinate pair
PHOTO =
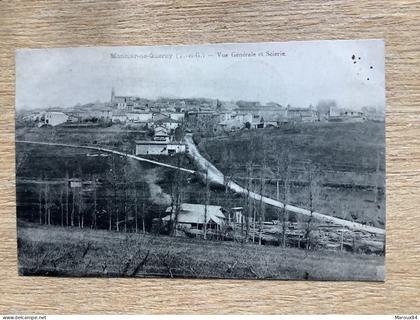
(195, 213)
(147, 142)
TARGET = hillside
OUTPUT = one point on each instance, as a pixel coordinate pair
(346, 161)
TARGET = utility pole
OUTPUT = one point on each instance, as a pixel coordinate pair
(61, 207)
(254, 218)
(261, 209)
(286, 199)
(136, 208)
(73, 193)
(206, 202)
(278, 199)
(142, 216)
(143, 211)
(125, 204)
(93, 223)
(247, 226)
(309, 223)
(178, 191)
(40, 204)
(46, 204)
(67, 199)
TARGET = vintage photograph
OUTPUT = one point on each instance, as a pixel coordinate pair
(242, 161)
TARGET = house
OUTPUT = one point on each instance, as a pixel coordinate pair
(119, 117)
(271, 111)
(243, 117)
(200, 114)
(195, 216)
(230, 125)
(345, 115)
(168, 123)
(353, 116)
(105, 113)
(166, 148)
(157, 116)
(178, 116)
(119, 102)
(125, 102)
(371, 113)
(161, 134)
(53, 118)
(302, 114)
(139, 116)
(225, 116)
(73, 119)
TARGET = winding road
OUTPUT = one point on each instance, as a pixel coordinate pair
(215, 176)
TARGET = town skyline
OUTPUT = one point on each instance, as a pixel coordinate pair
(350, 73)
(259, 103)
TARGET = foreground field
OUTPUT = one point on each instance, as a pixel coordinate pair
(73, 252)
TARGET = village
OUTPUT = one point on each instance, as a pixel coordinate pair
(165, 116)
(160, 127)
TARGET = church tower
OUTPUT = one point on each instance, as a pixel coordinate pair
(112, 95)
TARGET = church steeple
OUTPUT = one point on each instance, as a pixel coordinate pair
(112, 95)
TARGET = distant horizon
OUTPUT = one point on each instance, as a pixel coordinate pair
(377, 108)
(297, 73)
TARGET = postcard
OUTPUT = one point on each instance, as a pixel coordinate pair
(242, 161)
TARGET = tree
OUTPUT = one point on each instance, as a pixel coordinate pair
(80, 208)
(113, 180)
(314, 190)
(261, 216)
(323, 107)
(283, 211)
(40, 191)
(207, 199)
(94, 212)
(46, 203)
(136, 212)
(178, 133)
(248, 200)
(176, 195)
(61, 207)
(73, 204)
(67, 198)
(139, 200)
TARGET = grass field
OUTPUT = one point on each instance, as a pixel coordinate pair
(47, 250)
(347, 160)
(115, 137)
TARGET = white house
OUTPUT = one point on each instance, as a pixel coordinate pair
(159, 148)
(168, 123)
(53, 118)
(119, 116)
(302, 114)
(195, 216)
(178, 116)
(139, 116)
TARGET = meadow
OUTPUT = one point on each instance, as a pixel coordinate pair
(346, 160)
(52, 250)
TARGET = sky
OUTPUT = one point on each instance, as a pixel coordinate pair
(296, 73)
